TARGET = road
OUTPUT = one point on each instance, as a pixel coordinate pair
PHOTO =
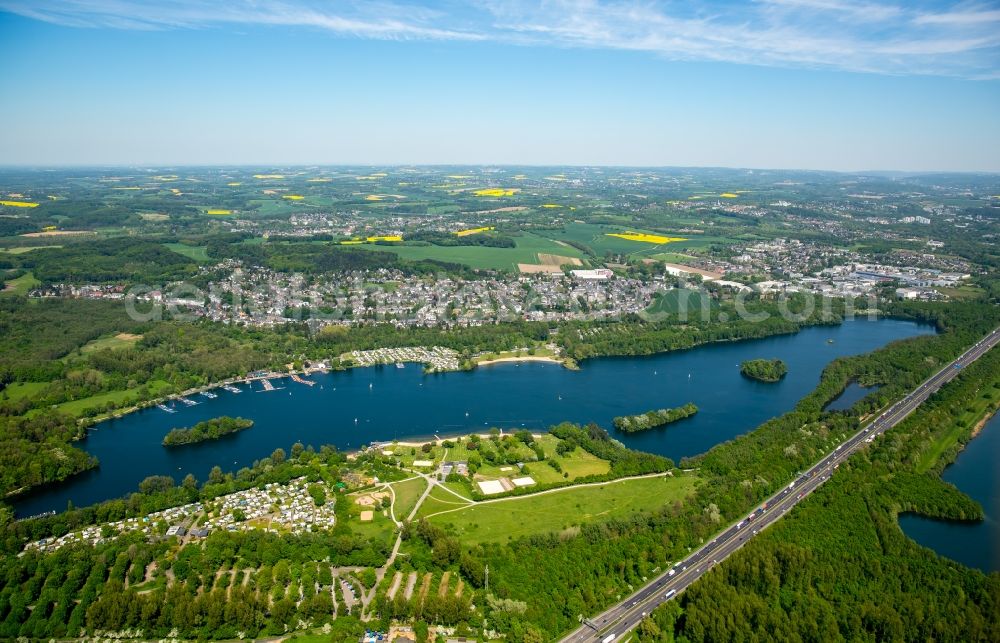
(617, 621)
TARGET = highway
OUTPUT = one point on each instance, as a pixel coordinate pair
(617, 621)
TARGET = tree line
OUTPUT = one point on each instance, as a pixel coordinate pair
(653, 419)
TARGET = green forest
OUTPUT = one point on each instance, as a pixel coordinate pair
(208, 430)
(840, 568)
(764, 370)
(653, 419)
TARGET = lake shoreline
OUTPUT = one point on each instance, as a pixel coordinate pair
(358, 414)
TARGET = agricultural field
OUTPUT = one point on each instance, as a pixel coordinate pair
(529, 245)
(20, 250)
(601, 239)
(557, 510)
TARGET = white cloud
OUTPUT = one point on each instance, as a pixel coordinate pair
(922, 37)
(961, 17)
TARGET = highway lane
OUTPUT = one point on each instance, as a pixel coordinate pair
(615, 622)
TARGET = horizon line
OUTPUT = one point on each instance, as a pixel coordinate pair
(117, 165)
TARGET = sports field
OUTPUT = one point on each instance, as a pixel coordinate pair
(556, 511)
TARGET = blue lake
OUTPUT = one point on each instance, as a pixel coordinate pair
(352, 408)
(975, 472)
(853, 394)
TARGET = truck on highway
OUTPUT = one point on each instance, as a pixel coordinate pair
(670, 593)
(608, 638)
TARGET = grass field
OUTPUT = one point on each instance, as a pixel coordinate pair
(197, 253)
(22, 284)
(121, 340)
(963, 293)
(381, 528)
(407, 493)
(20, 390)
(672, 257)
(528, 247)
(77, 407)
(977, 408)
(439, 500)
(557, 511)
(577, 464)
(681, 299)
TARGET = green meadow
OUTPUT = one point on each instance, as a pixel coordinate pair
(528, 247)
(556, 511)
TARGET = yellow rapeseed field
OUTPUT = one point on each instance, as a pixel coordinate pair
(646, 238)
(19, 204)
(372, 239)
(551, 205)
(497, 191)
(293, 197)
(373, 197)
(219, 211)
(268, 176)
(234, 184)
(465, 233)
(729, 195)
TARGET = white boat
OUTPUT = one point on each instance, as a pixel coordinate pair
(188, 402)
(209, 395)
(164, 407)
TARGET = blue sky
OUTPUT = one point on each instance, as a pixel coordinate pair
(820, 84)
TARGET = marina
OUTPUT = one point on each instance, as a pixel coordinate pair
(354, 407)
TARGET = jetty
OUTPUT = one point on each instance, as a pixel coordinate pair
(266, 383)
(296, 378)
